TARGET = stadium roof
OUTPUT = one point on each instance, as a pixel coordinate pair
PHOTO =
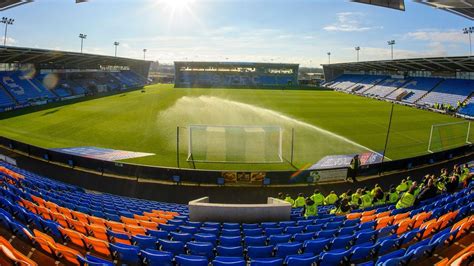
(435, 64)
(205, 63)
(6, 4)
(463, 8)
(52, 58)
(395, 4)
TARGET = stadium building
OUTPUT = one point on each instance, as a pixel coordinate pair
(234, 74)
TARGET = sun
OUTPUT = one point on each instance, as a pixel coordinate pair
(177, 4)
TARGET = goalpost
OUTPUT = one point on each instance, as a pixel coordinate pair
(449, 135)
(235, 144)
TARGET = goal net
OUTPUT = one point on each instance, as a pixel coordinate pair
(449, 135)
(235, 144)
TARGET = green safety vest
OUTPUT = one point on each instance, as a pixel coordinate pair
(380, 201)
(330, 199)
(311, 210)
(465, 174)
(441, 186)
(417, 191)
(409, 183)
(299, 202)
(393, 197)
(402, 187)
(407, 200)
(366, 201)
(355, 199)
(317, 198)
(290, 200)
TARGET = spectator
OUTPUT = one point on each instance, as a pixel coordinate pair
(310, 208)
(407, 199)
(428, 192)
(392, 196)
(317, 197)
(402, 187)
(354, 167)
(299, 201)
(355, 198)
(452, 184)
(365, 199)
(289, 199)
(331, 198)
(281, 196)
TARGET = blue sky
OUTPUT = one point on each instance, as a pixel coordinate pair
(293, 31)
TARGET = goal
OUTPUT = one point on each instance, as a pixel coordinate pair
(449, 135)
(234, 144)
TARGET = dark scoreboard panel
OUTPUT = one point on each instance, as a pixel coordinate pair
(395, 4)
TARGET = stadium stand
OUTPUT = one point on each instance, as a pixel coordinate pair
(468, 109)
(368, 82)
(385, 87)
(5, 99)
(344, 82)
(449, 92)
(22, 88)
(109, 229)
(414, 89)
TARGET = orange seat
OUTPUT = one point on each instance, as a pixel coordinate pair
(97, 221)
(14, 254)
(404, 225)
(367, 218)
(61, 219)
(158, 212)
(141, 217)
(458, 257)
(38, 200)
(383, 214)
(80, 216)
(158, 220)
(166, 216)
(43, 240)
(65, 211)
(121, 240)
(97, 245)
(129, 221)
(51, 206)
(431, 226)
(368, 213)
(174, 214)
(44, 212)
(98, 231)
(149, 225)
(463, 226)
(135, 230)
(77, 226)
(447, 219)
(383, 222)
(29, 206)
(421, 218)
(73, 236)
(353, 216)
(116, 226)
(401, 216)
(150, 214)
(67, 253)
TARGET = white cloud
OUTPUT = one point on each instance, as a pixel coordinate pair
(10, 41)
(350, 22)
(451, 36)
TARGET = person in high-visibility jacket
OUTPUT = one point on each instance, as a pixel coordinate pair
(373, 191)
(365, 200)
(310, 208)
(378, 197)
(392, 196)
(402, 187)
(356, 197)
(317, 197)
(331, 198)
(407, 199)
(465, 173)
(281, 196)
(409, 181)
(289, 199)
(299, 201)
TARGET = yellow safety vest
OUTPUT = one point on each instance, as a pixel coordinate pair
(311, 210)
(290, 200)
(330, 199)
(407, 200)
(299, 202)
(402, 187)
(393, 197)
(355, 199)
(366, 201)
(317, 198)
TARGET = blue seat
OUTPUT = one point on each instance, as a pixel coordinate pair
(402, 260)
(51, 228)
(231, 225)
(316, 246)
(360, 253)
(254, 252)
(301, 260)
(236, 251)
(410, 235)
(126, 254)
(287, 223)
(327, 233)
(253, 232)
(159, 234)
(169, 227)
(273, 231)
(387, 245)
(230, 241)
(249, 226)
(154, 257)
(255, 240)
(334, 257)
(93, 261)
(351, 222)
(230, 232)
(209, 230)
(184, 237)
(304, 222)
(205, 249)
(286, 249)
(144, 242)
(200, 237)
(348, 230)
(341, 242)
(191, 260)
(394, 254)
(387, 230)
(212, 225)
(175, 247)
(364, 237)
(413, 247)
(266, 225)
(367, 225)
(314, 228)
(294, 229)
(266, 262)
(277, 239)
(112, 235)
(233, 261)
(332, 225)
(188, 229)
(302, 237)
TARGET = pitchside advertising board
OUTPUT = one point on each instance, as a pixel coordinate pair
(335, 167)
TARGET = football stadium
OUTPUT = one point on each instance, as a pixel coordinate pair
(234, 138)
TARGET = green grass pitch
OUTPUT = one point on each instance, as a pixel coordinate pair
(324, 123)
